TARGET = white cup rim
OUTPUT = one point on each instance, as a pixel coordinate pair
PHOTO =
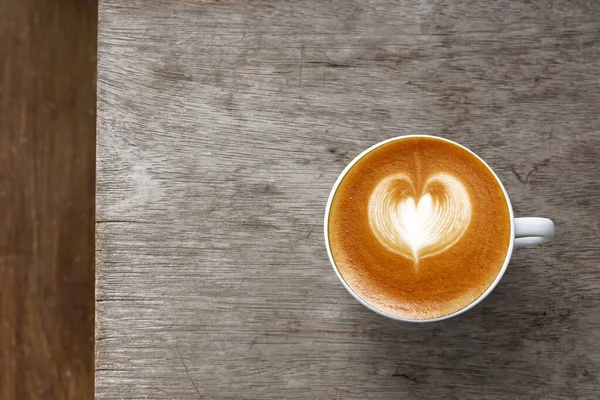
(380, 312)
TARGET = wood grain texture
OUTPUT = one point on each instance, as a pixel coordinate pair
(222, 126)
(47, 165)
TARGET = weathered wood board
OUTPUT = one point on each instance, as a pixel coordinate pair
(222, 126)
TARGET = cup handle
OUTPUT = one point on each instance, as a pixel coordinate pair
(532, 231)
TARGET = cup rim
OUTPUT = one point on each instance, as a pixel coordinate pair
(383, 313)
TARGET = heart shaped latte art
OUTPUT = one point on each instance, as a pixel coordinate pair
(419, 227)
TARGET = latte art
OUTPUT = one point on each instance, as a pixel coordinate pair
(421, 224)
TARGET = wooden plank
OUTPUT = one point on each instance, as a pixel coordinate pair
(222, 127)
(47, 166)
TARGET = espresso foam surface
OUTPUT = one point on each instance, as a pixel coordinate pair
(419, 228)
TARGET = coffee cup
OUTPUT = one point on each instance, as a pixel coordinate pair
(406, 240)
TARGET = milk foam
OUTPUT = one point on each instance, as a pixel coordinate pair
(419, 227)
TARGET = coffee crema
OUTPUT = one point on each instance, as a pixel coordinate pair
(419, 228)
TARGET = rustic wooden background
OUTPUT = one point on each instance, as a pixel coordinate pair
(222, 126)
(47, 136)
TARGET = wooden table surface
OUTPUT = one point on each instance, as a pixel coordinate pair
(222, 126)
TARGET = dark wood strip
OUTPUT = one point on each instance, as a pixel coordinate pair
(47, 153)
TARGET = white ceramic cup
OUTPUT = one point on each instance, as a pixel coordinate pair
(525, 232)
